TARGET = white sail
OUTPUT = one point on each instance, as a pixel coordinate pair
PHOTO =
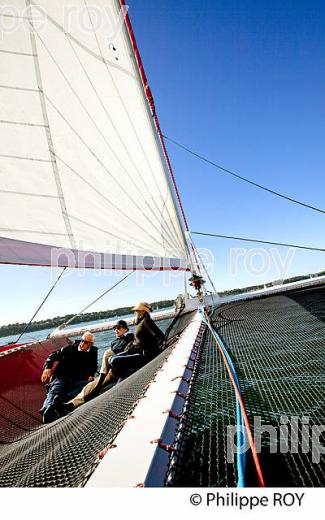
(82, 178)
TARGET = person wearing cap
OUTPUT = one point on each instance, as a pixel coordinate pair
(146, 345)
(117, 347)
(122, 339)
(76, 366)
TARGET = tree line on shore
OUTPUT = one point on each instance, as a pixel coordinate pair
(17, 328)
(270, 284)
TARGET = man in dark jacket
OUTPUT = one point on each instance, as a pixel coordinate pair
(76, 366)
(117, 346)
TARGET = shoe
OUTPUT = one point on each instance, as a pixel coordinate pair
(49, 415)
(62, 408)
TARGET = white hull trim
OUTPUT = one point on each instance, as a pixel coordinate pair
(129, 463)
(107, 325)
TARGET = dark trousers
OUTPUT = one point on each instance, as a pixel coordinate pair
(64, 387)
(123, 364)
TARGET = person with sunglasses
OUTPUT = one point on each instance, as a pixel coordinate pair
(122, 340)
(76, 365)
(117, 347)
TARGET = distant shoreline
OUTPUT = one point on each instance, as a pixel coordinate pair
(16, 328)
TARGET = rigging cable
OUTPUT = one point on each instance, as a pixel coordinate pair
(233, 378)
(63, 325)
(258, 241)
(41, 305)
(241, 439)
(229, 172)
(205, 269)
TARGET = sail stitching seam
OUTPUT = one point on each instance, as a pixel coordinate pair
(101, 229)
(120, 139)
(25, 158)
(32, 231)
(9, 15)
(131, 123)
(24, 89)
(92, 120)
(29, 194)
(3, 51)
(81, 45)
(101, 194)
(22, 123)
(97, 159)
(49, 135)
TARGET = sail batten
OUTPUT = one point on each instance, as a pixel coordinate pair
(77, 138)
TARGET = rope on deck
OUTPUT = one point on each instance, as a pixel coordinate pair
(240, 410)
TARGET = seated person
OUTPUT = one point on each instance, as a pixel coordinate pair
(91, 390)
(146, 345)
(76, 366)
(143, 348)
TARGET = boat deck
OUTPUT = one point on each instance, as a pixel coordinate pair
(63, 453)
(277, 346)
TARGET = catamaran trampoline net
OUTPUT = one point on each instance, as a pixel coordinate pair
(277, 347)
(61, 454)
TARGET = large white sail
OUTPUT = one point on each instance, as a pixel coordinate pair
(82, 178)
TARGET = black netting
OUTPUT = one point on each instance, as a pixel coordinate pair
(200, 457)
(178, 325)
(277, 346)
(62, 453)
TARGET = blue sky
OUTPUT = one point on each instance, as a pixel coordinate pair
(241, 82)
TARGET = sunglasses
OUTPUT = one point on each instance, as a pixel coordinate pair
(118, 327)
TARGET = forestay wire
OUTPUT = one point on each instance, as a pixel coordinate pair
(41, 305)
(63, 325)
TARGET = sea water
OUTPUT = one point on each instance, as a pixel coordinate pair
(102, 339)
